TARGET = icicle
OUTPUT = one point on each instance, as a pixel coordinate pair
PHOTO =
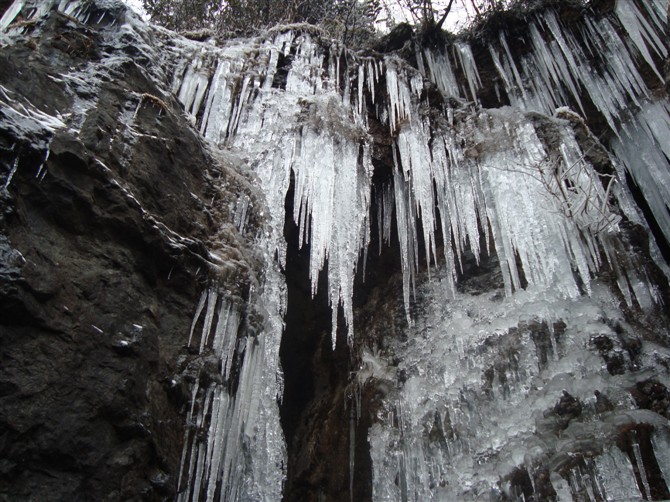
(469, 66)
(193, 87)
(545, 207)
(209, 317)
(41, 168)
(552, 339)
(511, 67)
(361, 78)
(615, 472)
(503, 72)
(400, 101)
(641, 32)
(644, 148)
(247, 85)
(241, 216)
(641, 470)
(371, 79)
(558, 68)
(225, 335)
(406, 232)
(187, 439)
(12, 172)
(414, 156)
(564, 60)
(10, 14)
(441, 73)
(198, 311)
(385, 202)
(660, 441)
(352, 449)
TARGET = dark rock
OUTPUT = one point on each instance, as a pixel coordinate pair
(396, 39)
(652, 395)
(603, 403)
(568, 406)
(521, 484)
(95, 299)
(564, 411)
(612, 354)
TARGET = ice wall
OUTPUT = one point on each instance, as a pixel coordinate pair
(284, 108)
(298, 111)
(471, 180)
(509, 398)
(505, 399)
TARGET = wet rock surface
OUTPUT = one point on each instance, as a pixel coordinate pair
(100, 244)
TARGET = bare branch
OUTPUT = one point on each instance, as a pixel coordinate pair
(444, 16)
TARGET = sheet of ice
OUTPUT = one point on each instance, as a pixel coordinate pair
(455, 420)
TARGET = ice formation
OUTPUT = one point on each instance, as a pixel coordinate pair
(308, 126)
(242, 456)
(300, 109)
(296, 113)
(456, 426)
(444, 433)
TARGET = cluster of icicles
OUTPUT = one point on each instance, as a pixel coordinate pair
(301, 113)
(234, 447)
(299, 109)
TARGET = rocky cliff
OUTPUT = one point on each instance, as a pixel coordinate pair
(109, 203)
(266, 268)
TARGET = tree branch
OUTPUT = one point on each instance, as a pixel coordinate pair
(444, 16)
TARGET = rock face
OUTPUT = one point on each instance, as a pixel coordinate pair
(274, 268)
(102, 250)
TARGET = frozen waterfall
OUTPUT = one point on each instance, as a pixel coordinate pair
(299, 112)
(513, 183)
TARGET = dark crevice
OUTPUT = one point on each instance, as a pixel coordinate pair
(304, 317)
(320, 387)
(313, 414)
(283, 67)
